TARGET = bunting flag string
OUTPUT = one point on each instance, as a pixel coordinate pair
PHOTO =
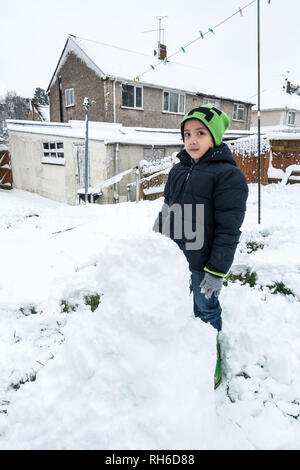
(201, 36)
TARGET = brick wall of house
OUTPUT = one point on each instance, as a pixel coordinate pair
(75, 74)
(227, 106)
(153, 116)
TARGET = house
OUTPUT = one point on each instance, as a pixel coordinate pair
(278, 108)
(38, 112)
(48, 158)
(157, 98)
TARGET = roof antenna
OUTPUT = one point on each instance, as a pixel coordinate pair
(160, 49)
(286, 82)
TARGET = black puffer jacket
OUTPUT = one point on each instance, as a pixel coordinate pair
(217, 183)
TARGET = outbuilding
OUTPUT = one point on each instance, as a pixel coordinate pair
(48, 158)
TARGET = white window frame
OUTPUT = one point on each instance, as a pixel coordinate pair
(53, 152)
(238, 107)
(181, 113)
(141, 108)
(288, 118)
(67, 93)
(212, 101)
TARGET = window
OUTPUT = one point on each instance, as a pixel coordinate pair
(215, 103)
(132, 96)
(291, 117)
(70, 97)
(173, 102)
(53, 152)
(238, 112)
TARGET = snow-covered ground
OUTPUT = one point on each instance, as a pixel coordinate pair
(137, 372)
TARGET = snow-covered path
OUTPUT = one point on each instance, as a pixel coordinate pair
(138, 371)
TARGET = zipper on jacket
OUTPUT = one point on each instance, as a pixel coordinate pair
(185, 182)
(180, 192)
(189, 173)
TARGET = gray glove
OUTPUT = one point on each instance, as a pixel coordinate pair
(211, 285)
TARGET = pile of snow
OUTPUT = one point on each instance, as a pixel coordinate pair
(137, 372)
(131, 373)
(147, 167)
(247, 146)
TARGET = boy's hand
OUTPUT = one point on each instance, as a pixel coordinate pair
(211, 285)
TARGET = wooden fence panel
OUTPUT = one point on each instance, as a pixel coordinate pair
(153, 188)
(6, 179)
(283, 152)
(249, 167)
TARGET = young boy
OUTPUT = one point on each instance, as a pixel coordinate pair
(207, 191)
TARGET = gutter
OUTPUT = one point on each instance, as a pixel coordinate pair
(146, 144)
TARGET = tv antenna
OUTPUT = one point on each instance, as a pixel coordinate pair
(161, 48)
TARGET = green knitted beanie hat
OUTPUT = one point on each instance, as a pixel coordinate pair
(215, 120)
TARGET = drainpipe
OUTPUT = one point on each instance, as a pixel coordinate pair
(114, 98)
(60, 99)
(116, 195)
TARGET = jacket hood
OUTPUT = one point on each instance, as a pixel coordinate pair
(215, 154)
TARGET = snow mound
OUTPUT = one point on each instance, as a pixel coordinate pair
(137, 373)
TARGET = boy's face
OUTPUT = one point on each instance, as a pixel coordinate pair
(197, 139)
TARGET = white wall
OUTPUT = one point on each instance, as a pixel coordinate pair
(56, 182)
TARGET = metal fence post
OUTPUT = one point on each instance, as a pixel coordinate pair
(137, 185)
(128, 193)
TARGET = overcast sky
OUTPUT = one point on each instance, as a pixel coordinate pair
(33, 34)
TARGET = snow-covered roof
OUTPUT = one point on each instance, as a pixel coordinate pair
(44, 112)
(108, 133)
(279, 132)
(273, 99)
(123, 64)
(284, 136)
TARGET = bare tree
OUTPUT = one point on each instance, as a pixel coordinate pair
(12, 107)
